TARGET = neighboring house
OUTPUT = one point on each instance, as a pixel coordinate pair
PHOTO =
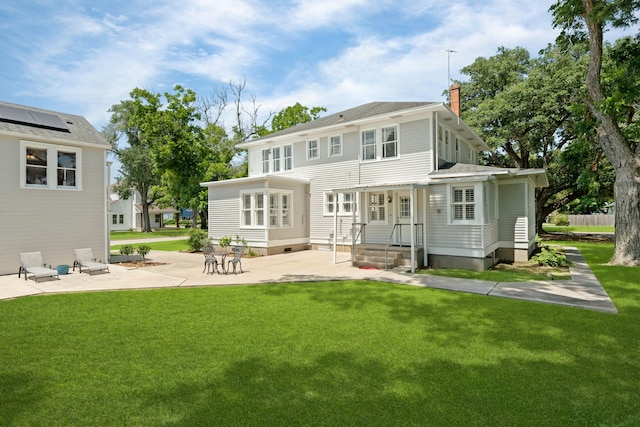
(395, 182)
(53, 186)
(126, 214)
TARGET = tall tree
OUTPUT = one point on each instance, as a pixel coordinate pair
(138, 171)
(522, 107)
(622, 151)
(294, 115)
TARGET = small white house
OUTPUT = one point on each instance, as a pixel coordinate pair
(395, 183)
(53, 186)
(126, 214)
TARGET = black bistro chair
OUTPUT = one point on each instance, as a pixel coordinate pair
(237, 259)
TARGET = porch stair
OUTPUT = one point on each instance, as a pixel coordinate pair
(374, 256)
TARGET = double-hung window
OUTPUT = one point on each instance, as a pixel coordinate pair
(369, 149)
(254, 209)
(265, 160)
(335, 146)
(380, 143)
(463, 204)
(288, 157)
(313, 149)
(389, 142)
(346, 203)
(66, 169)
(50, 166)
(275, 153)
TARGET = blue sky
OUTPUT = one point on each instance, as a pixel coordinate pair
(81, 57)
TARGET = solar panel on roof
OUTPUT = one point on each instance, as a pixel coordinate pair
(31, 118)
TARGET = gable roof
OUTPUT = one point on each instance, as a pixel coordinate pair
(371, 112)
(56, 126)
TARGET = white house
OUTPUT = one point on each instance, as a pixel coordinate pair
(126, 214)
(393, 182)
(53, 186)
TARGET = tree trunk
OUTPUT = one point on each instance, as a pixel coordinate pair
(625, 162)
(194, 218)
(204, 220)
(146, 224)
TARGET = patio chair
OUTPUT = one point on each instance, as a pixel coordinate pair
(210, 260)
(236, 260)
(32, 263)
(85, 260)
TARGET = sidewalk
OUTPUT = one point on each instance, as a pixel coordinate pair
(179, 269)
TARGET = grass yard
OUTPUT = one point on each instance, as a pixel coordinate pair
(160, 232)
(550, 228)
(351, 353)
(169, 246)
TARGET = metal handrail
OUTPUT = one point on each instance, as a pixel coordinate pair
(355, 237)
(418, 239)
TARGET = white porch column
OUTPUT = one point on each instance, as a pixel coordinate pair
(335, 228)
(412, 195)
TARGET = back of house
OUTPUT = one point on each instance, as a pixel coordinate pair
(383, 174)
(53, 186)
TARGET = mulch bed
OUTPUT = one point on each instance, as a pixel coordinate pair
(139, 264)
(579, 237)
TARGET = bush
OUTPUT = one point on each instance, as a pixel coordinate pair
(127, 250)
(143, 250)
(197, 239)
(560, 220)
(551, 258)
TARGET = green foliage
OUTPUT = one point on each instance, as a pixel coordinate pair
(294, 115)
(550, 257)
(224, 241)
(197, 239)
(143, 251)
(127, 250)
(560, 219)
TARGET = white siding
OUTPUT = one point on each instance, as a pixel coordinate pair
(51, 221)
(512, 212)
(442, 235)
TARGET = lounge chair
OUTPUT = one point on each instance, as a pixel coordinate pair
(32, 263)
(85, 260)
(237, 258)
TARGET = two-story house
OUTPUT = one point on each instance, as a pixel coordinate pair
(126, 214)
(53, 186)
(399, 178)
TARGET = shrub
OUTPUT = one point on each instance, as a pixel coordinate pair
(560, 220)
(143, 250)
(197, 239)
(549, 257)
(127, 250)
(224, 241)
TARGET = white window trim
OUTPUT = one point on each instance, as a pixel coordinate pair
(285, 157)
(52, 166)
(265, 160)
(379, 143)
(266, 209)
(384, 204)
(330, 146)
(317, 149)
(276, 159)
(478, 204)
(340, 204)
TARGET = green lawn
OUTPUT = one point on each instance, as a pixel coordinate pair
(169, 246)
(550, 228)
(351, 353)
(162, 232)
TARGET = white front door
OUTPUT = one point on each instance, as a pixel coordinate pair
(402, 213)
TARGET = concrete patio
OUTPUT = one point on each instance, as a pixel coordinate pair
(180, 269)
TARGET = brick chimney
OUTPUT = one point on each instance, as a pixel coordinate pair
(454, 98)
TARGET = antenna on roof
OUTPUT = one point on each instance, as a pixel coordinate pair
(449, 52)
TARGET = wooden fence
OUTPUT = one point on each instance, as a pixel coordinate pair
(592, 220)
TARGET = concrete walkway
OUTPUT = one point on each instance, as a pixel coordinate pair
(180, 269)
